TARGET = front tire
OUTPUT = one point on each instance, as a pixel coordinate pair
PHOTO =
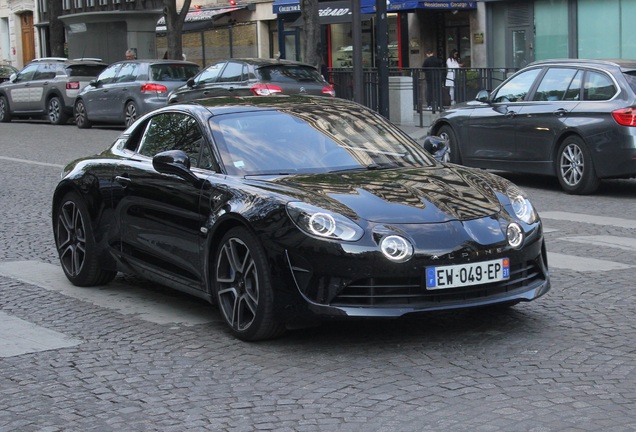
(243, 287)
(76, 246)
(55, 109)
(130, 113)
(5, 114)
(81, 117)
(575, 169)
(448, 134)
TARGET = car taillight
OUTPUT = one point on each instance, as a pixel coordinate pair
(625, 116)
(266, 89)
(72, 85)
(153, 88)
(329, 90)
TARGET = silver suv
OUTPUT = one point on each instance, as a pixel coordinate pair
(47, 87)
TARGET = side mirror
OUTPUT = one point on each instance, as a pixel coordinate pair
(175, 162)
(190, 82)
(437, 147)
(483, 96)
(13, 77)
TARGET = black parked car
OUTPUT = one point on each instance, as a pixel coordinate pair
(6, 71)
(286, 209)
(574, 119)
(253, 77)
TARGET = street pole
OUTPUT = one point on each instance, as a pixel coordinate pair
(382, 60)
(356, 30)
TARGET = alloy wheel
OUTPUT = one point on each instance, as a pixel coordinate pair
(131, 114)
(71, 238)
(54, 110)
(238, 289)
(572, 165)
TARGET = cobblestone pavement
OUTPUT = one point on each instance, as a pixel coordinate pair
(565, 362)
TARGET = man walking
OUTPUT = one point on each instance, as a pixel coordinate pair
(432, 71)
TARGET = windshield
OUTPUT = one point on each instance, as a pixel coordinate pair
(312, 141)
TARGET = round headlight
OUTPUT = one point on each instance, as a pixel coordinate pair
(396, 248)
(515, 235)
(521, 205)
(322, 224)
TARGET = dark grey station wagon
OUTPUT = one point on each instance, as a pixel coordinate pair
(575, 119)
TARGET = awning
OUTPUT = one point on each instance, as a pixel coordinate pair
(199, 19)
(368, 6)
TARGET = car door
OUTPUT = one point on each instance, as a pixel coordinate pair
(544, 118)
(205, 84)
(97, 95)
(19, 92)
(490, 132)
(233, 80)
(160, 214)
(120, 90)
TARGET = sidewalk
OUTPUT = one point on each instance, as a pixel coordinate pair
(414, 130)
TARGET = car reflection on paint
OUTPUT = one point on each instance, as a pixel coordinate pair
(291, 209)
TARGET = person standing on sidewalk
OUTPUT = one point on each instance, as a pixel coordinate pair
(432, 72)
(452, 63)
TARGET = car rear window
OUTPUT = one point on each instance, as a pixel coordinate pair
(172, 72)
(84, 70)
(285, 73)
(630, 76)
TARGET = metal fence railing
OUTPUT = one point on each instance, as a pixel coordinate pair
(467, 83)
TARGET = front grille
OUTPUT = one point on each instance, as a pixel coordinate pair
(411, 292)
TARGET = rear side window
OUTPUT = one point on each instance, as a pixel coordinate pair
(598, 87)
(172, 72)
(554, 84)
(84, 70)
(284, 73)
(630, 77)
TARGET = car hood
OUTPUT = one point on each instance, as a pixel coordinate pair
(424, 195)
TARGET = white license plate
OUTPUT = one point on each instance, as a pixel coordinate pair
(455, 276)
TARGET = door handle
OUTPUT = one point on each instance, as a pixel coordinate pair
(123, 180)
(511, 114)
(560, 112)
(206, 92)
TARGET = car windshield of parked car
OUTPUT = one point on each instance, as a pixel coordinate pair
(517, 88)
(289, 73)
(172, 72)
(316, 141)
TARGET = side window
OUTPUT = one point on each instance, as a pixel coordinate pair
(127, 72)
(27, 73)
(554, 84)
(108, 75)
(46, 71)
(172, 131)
(210, 74)
(232, 72)
(598, 87)
(517, 88)
(574, 90)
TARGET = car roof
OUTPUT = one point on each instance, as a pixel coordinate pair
(159, 61)
(268, 61)
(228, 105)
(93, 61)
(620, 63)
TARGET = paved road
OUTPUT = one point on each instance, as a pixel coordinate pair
(136, 357)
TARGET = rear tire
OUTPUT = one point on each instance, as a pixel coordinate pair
(55, 109)
(243, 287)
(130, 113)
(575, 169)
(5, 114)
(81, 117)
(76, 246)
(448, 135)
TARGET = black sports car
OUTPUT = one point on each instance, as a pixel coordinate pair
(286, 209)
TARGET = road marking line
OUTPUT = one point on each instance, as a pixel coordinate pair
(623, 243)
(19, 337)
(571, 262)
(119, 296)
(31, 162)
(585, 218)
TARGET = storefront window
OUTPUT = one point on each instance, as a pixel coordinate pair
(551, 29)
(342, 45)
(596, 40)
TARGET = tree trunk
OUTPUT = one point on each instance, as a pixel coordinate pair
(174, 27)
(56, 28)
(311, 32)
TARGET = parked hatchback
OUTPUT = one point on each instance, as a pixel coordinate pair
(47, 86)
(128, 89)
(575, 119)
(253, 77)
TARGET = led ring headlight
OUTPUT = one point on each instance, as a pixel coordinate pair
(396, 248)
(515, 235)
(322, 224)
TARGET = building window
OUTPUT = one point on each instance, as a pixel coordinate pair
(551, 29)
(66, 4)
